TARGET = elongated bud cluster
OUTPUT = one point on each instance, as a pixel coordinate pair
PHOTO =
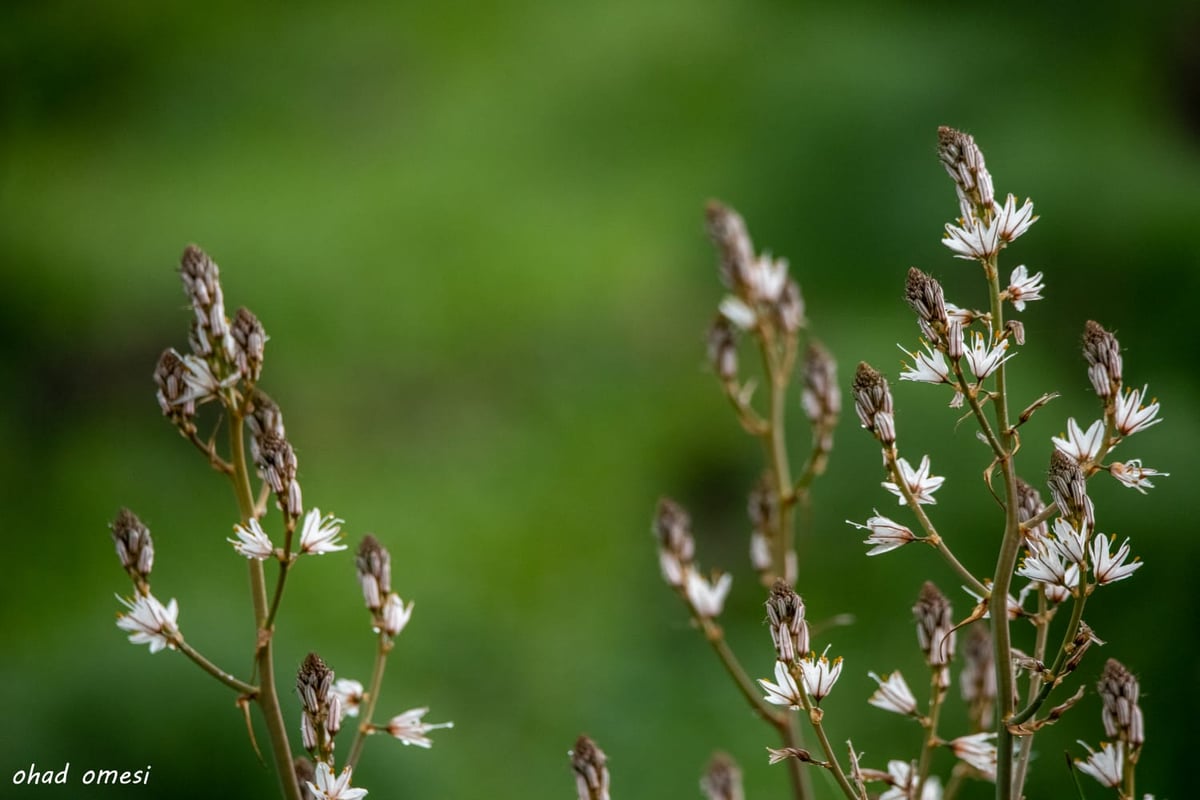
(1103, 354)
(175, 397)
(135, 547)
(821, 398)
(873, 402)
(926, 298)
(202, 284)
(789, 631)
(964, 163)
(723, 779)
(728, 232)
(676, 547)
(762, 293)
(935, 630)
(978, 677)
(374, 565)
(1029, 505)
(276, 463)
(1068, 486)
(265, 416)
(790, 308)
(722, 349)
(1122, 715)
(321, 709)
(591, 770)
(249, 342)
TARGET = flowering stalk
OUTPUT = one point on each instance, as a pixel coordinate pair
(371, 698)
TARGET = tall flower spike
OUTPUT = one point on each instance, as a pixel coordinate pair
(676, 548)
(249, 342)
(591, 770)
(1118, 690)
(1103, 354)
(202, 284)
(728, 232)
(374, 565)
(925, 296)
(873, 402)
(135, 547)
(723, 779)
(789, 630)
(1069, 488)
(964, 163)
(935, 630)
(314, 680)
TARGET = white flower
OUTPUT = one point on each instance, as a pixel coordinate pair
(1044, 562)
(903, 778)
(760, 551)
(149, 622)
(1111, 568)
(928, 367)
(1134, 475)
(1023, 288)
(1083, 446)
(202, 385)
(885, 535)
(1107, 766)
(1060, 593)
(820, 674)
(1130, 416)
(737, 312)
(784, 692)
(984, 360)
(1011, 221)
(252, 541)
(974, 240)
(395, 615)
(978, 751)
(766, 278)
(350, 693)
(408, 728)
(328, 787)
(1071, 542)
(707, 599)
(920, 483)
(319, 534)
(893, 694)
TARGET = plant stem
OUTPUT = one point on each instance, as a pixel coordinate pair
(1025, 714)
(777, 368)
(212, 669)
(267, 697)
(372, 697)
(936, 695)
(815, 714)
(1035, 684)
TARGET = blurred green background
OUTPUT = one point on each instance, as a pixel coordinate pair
(474, 233)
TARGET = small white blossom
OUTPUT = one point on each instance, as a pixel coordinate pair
(973, 240)
(1060, 593)
(928, 367)
(1011, 221)
(409, 728)
(820, 674)
(1134, 475)
(328, 787)
(920, 483)
(978, 751)
(1071, 542)
(1081, 445)
(149, 622)
(985, 360)
(903, 776)
(1045, 563)
(737, 312)
(1109, 568)
(885, 535)
(1024, 288)
(202, 385)
(893, 694)
(766, 278)
(252, 541)
(784, 692)
(319, 534)
(1131, 416)
(707, 599)
(350, 693)
(395, 615)
(760, 551)
(1107, 766)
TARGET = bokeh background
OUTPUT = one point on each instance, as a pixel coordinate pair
(474, 233)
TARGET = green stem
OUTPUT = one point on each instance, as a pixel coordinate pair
(777, 369)
(1035, 684)
(372, 698)
(212, 669)
(1025, 714)
(267, 697)
(936, 695)
(815, 715)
